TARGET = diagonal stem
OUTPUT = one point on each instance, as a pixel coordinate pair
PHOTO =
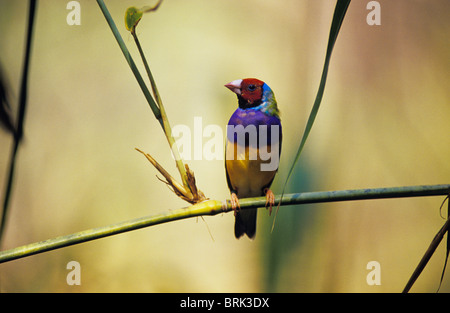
(427, 256)
(20, 118)
(164, 121)
(157, 108)
(129, 59)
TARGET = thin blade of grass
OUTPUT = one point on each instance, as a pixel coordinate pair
(20, 117)
(6, 120)
(448, 244)
(130, 61)
(428, 254)
(338, 18)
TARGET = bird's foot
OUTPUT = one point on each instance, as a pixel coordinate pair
(270, 199)
(235, 203)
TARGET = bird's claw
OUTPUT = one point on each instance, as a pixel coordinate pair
(235, 203)
(270, 199)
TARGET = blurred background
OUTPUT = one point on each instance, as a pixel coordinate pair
(383, 122)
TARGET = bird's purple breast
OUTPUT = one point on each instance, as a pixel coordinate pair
(256, 118)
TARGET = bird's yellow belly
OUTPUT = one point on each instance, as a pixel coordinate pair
(245, 174)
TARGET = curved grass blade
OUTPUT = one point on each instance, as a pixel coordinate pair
(338, 18)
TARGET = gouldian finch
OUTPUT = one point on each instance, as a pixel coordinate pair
(253, 148)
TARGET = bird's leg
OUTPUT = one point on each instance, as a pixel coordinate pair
(270, 199)
(235, 203)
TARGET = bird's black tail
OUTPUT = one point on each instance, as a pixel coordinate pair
(245, 223)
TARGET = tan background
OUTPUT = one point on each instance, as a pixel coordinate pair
(384, 122)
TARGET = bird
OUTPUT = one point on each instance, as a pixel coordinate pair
(252, 149)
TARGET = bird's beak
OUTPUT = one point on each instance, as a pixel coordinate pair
(235, 86)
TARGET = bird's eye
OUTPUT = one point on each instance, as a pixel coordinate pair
(251, 87)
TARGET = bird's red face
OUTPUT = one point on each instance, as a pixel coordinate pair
(249, 89)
